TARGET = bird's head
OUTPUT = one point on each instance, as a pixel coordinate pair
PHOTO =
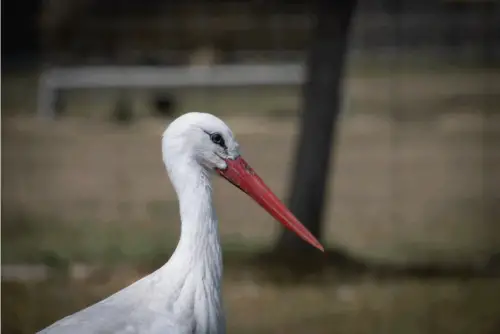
(204, 140)
(201, 138)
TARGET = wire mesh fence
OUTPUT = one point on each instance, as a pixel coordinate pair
(415, 175)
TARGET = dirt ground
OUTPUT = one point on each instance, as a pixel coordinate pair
(252, 306)
(416, 179)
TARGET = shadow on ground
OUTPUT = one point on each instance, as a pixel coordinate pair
(332, 300)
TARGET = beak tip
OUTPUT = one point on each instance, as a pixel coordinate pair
(241, 175)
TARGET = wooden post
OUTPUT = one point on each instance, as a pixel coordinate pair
(322, 94)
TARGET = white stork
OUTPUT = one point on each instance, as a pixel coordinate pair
(184, 295)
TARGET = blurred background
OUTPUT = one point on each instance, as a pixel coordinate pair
(377, 121)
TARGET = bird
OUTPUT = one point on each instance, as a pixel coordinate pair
(184, 295)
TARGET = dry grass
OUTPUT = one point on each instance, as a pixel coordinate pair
(411, 190)
(404, 191)
(365, 306)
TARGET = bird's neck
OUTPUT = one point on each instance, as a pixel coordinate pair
(199, 239)
(197, 260)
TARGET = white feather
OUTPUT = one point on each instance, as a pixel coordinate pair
(183, 296)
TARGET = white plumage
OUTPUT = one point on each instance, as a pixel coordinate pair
(184, 295)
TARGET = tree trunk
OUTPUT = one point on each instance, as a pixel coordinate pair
(321, 107)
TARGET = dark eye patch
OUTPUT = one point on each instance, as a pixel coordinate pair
(217, 139)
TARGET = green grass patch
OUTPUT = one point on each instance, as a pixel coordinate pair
(56, 243)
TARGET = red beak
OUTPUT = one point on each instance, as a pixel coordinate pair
(240, 174)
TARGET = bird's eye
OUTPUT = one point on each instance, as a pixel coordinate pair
(216, 138)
